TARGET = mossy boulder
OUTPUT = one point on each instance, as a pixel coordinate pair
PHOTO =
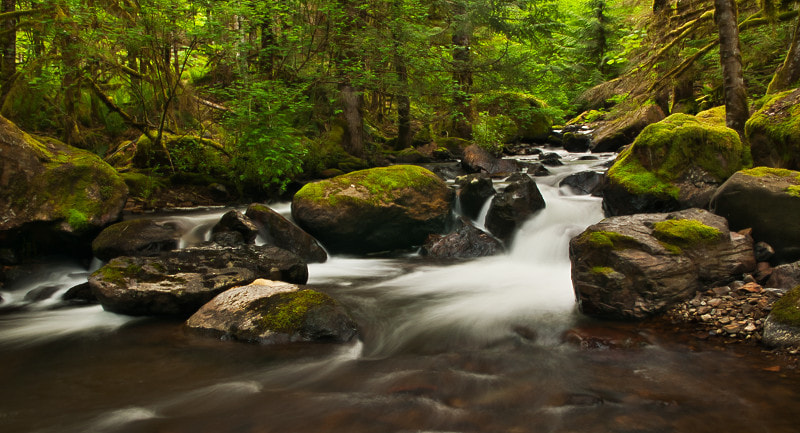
(282, 233)
(478, 160)
(774, 132)
(674, 164)
(178, 283)
(373, 210)
(768, 201)
(610, 136)
(528, 113)
(636, 266)
(782, 327)
(53, 197)
(137, 237)
(274, 312)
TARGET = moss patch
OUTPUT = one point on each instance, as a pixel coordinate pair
(790, 175)
(288, 310)
(779, 120)
(786, 310)
(684, 233)
(602, 270)
(607, 239)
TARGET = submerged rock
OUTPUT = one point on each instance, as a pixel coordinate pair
(274, 312)
(282, 233)
(633, 267)
(177, 283)
(374, 210)
(768, 201)
(138, 237)
(515, 204)
(467, 241)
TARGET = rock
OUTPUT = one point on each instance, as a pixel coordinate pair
(576, 142)
(466, 242)
(474, 190)
(137, 237)
(53, 197)
(764, 251)
(536, 169)
(768, 201)
(510, 208)
(374, 210)
(774, 134)
(633, 267)
(611, 136)
(674, 164)
(785, 276)
(184, 153)
(82, 293)
(585, 182)
(177, 283)
(228, 239)
(235, 221)
(41, 293)
(274, 312)
(477, 160)
(782, 327)
(282, 233)
(551, 159)
(604, 338)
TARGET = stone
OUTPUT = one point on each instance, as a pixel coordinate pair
(467, 241)
(785, 276)
(477, 160)
(274, 312)
(637, 266)
(282, 233)
(782, 327)
(137, 237)
(474, 190)
(235, 221)
(768, 201)
(177, 283)
(764, 251)
(612, 135)
(773, 132)
(585, 182)
(374, 210)
(510, 208)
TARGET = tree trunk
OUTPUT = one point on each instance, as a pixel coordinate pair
(351, 96)
(404, 135)
(736, 110)
(788, 73)
(8, 50)
(352, 103)
(462, 73)
(266, 56)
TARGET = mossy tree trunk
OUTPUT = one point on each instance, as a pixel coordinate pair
(736, 110)
(8, 49)
(351, 63)
(462, 73)
(788, 73)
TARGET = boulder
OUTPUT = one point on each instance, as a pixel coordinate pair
(576, 141)
(674, 164)
(477, 160)
(177, 283)
(612, 135)
(373, 210)
(552, 159)
(785, 276)
(768, 201)
(138, 237)
(510, 208)
(774, 133)
(282, 233)
(782, 327)
(53, 197)
(274, 312)
(467, 241)
(473, 191)
(585, 182)
(235, 221)
(633, 267)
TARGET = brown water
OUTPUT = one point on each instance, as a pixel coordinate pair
(469, 347)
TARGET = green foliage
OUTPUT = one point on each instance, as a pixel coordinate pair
(492, 132)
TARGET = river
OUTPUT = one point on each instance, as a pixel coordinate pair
(474, 346)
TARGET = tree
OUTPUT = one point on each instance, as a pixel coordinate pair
(788, 73)
(736, 110)
(8, 48)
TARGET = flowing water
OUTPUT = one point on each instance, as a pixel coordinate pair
(474, 346)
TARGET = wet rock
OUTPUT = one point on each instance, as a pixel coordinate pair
(764, 251)
(604, 338)
(235, 221)
(477, 160)
(374, 210)
(82, 293)
(274, 312)
(137, 237)
(785, 276)
(177, 283)
(576, 142)
(40, 293)
(282, 233)
(467, 241)
(474, 190)
(536, 169)
(515, 204)
(228, 239)
(585, 182)
(782, 327)
(633, 267)
(551, 159)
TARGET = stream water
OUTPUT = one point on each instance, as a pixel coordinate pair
(473, 346)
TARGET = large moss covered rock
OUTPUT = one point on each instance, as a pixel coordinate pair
(774, 132)
(532, 123)
(674, 164)
(137, 237)
(53, 195)
(611, 135)
(374, 210)
(782, 327)
(274, 312)
(768, 201)
(635, 266)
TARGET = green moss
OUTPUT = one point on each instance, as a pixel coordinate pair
(116, 274)
(786, 310)
(77, 219)
(714, 116)
(602, 270)
(628, 172)
(790, 175)
(287, 311)
(684, 233)
(607, 239)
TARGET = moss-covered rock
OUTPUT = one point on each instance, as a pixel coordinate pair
(274, 312)
(765, 199)
(374, 210)
(137, 237)
(674, 164)
(52, 196)
(611, 135)
(529, 114)
(774, 132)
(782, 327)
(636, 266)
